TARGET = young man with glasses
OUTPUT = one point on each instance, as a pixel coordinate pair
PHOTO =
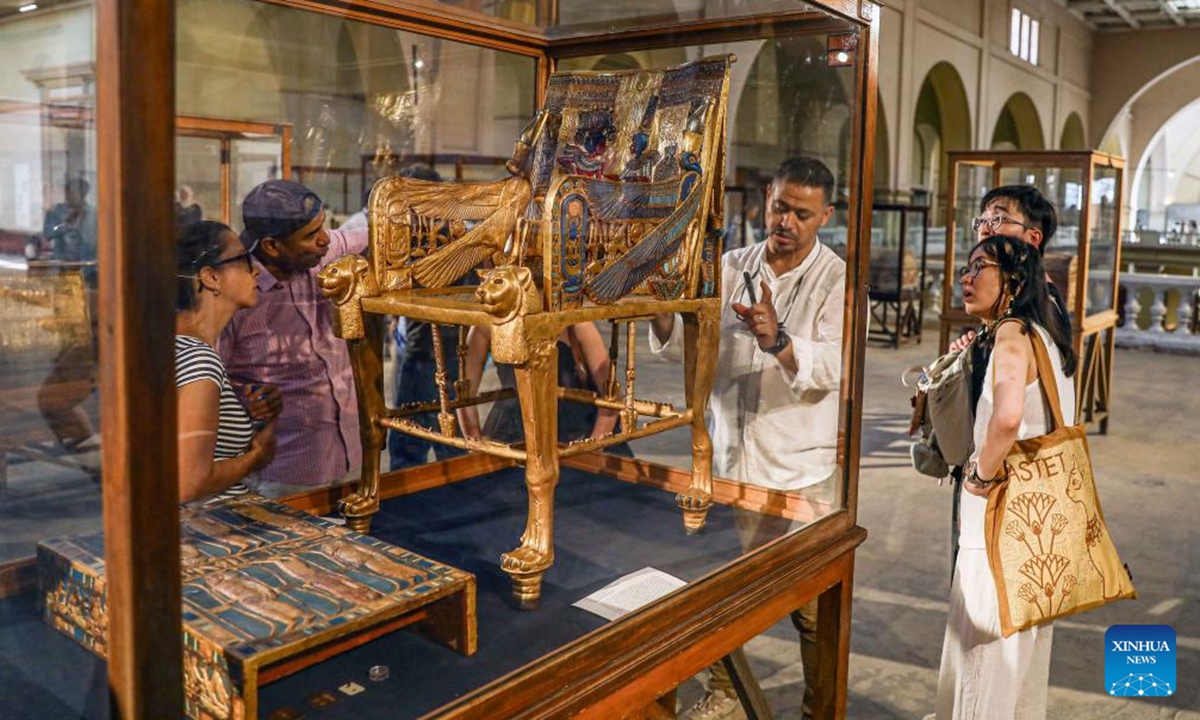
(1019, 211)
(286, 343)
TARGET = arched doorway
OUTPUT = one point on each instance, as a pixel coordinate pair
(1135, 134)
(1073, 136)
(942, 121)
(1166, 188)
(1018, 127)
(883, 154)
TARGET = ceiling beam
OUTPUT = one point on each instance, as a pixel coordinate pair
(1124, 14)
(1085, 5)
(1171, 12)
(1072, 7)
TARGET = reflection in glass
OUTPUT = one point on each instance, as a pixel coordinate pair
(49, 410)
(362, 101)
(218, 160)
(251, 161)
(571, 18)
(897, 272)
(49, 455)
(1103, 240)
(579, 18)
(974, 181)
(788, 103)
(198, 173)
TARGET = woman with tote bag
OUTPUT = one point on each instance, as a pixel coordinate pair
(984, 674)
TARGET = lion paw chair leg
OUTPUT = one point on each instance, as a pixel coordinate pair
(525, 567)
(358, 512)
(695, 505)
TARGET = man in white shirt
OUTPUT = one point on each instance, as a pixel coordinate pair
(778, 377)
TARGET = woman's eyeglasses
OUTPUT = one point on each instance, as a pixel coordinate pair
(993, 223)
(236, 258)
(974, 268)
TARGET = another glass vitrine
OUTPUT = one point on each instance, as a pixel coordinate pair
(218, 160)
(1082, 258)
(899, 239)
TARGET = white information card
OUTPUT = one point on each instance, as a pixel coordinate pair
(626, 594)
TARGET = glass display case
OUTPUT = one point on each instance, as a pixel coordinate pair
(218, 161)
(1082, 259)
(899, 240)
(342, 94)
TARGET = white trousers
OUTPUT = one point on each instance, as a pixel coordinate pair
(985, 676)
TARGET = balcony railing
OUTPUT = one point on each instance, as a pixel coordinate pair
(1159, 311)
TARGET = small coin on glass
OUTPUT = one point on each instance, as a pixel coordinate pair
(379, 672)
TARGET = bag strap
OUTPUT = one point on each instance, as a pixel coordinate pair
(1045, 372)
(1049, 381)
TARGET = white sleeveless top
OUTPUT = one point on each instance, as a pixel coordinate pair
(1035, 422)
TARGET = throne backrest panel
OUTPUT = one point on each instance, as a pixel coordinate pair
(660, 133)
(645, 140)
(611, 107)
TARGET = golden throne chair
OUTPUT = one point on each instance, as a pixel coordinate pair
(612, 211)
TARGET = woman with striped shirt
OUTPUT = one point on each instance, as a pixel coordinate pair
(218, 445)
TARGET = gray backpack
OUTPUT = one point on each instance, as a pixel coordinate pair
(943, 417)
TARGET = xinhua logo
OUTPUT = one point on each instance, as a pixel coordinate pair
(1139, 660)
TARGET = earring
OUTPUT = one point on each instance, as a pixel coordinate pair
(216, 292)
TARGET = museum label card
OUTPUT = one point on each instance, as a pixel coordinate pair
(626, 594)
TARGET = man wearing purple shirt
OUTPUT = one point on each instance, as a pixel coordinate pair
(286, 344)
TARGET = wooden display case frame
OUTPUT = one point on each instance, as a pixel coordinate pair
(1094, 333)
(226, 131)
(910, 307)
(604, 674)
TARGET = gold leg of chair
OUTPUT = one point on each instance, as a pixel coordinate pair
(357, 523)
(700, 340)
(366, 358)
(447, 421)
(537, 380)
(614, 344)
(629, 415)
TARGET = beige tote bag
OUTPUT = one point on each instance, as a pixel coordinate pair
(1047, 542)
